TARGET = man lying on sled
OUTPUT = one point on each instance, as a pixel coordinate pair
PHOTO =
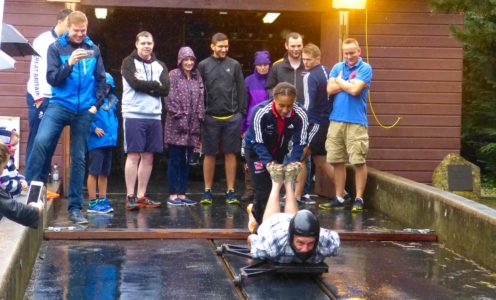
(292, 236)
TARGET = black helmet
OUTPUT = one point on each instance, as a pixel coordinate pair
(304, 223)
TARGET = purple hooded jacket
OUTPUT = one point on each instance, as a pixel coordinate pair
(255, 87)
(184, 105)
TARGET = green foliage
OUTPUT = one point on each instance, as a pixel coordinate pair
(479, 79)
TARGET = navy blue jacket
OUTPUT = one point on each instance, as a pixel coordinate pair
(80, 86)
(262, 136)
(317, 103)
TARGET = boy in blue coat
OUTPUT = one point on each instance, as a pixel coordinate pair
(102, 139)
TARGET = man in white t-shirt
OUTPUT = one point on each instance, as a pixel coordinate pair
(38, 87)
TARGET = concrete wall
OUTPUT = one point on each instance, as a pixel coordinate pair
(18, 254)
(464, 226)
(19, 250)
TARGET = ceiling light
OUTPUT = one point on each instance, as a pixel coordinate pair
(270, 17)
(101, 13)
(348, 4)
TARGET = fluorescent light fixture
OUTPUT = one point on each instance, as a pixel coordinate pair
(349, 4)
(270, 17)
(101, 13)
(222, 12)
(189, 12)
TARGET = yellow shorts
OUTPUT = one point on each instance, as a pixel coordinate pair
(347, 142)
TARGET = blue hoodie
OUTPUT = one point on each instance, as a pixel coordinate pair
(106, 119)
(80, 86)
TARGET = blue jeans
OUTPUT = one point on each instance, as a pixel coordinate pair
(34, 119)
(178, 168)
(51, 126)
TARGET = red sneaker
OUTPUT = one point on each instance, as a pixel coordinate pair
(147, 202)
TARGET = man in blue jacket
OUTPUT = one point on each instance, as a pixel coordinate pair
(76, 73)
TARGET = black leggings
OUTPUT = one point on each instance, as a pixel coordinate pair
(262, 184)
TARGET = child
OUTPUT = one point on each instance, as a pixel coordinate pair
(103, 138)
(11, 181)
(27, 215)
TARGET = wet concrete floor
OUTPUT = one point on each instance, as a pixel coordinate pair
(179, 269)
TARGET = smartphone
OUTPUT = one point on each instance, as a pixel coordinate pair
(36, 192)
(90, 53)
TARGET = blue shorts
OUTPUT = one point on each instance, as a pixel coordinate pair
(143, 135)
(100, 161)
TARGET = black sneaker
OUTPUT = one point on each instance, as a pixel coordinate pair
(131, 202)
(76, 216)
(306, 200)
(334, 203)
(358, 205)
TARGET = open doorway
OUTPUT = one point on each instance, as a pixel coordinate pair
(172, 29)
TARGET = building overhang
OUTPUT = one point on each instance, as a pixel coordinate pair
(253, 5)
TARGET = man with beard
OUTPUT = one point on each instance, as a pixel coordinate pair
(225, 107)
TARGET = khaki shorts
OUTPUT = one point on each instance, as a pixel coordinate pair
(347, 142)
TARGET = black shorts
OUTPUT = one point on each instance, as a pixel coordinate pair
(100, 161)
(317, 134)
(215, 131)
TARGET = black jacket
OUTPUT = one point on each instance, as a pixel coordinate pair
(18, 212)
(224, 86)
(282, 71)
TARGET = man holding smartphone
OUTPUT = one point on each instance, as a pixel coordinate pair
(78, 86)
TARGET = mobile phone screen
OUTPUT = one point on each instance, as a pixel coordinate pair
(90, 53)
(34, 193)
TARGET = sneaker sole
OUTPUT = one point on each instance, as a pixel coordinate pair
(80, 222)
(190, 204)
(206, 202)
(99, 212)
(356, 209)
(232, 201)
(331, 208)
(175, 204)
(306, 202)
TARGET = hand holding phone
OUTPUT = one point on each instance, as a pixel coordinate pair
(90, 53)
(36, 191)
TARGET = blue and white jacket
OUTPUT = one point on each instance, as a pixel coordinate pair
(80, 86)
(10, 180)
(263, 136)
